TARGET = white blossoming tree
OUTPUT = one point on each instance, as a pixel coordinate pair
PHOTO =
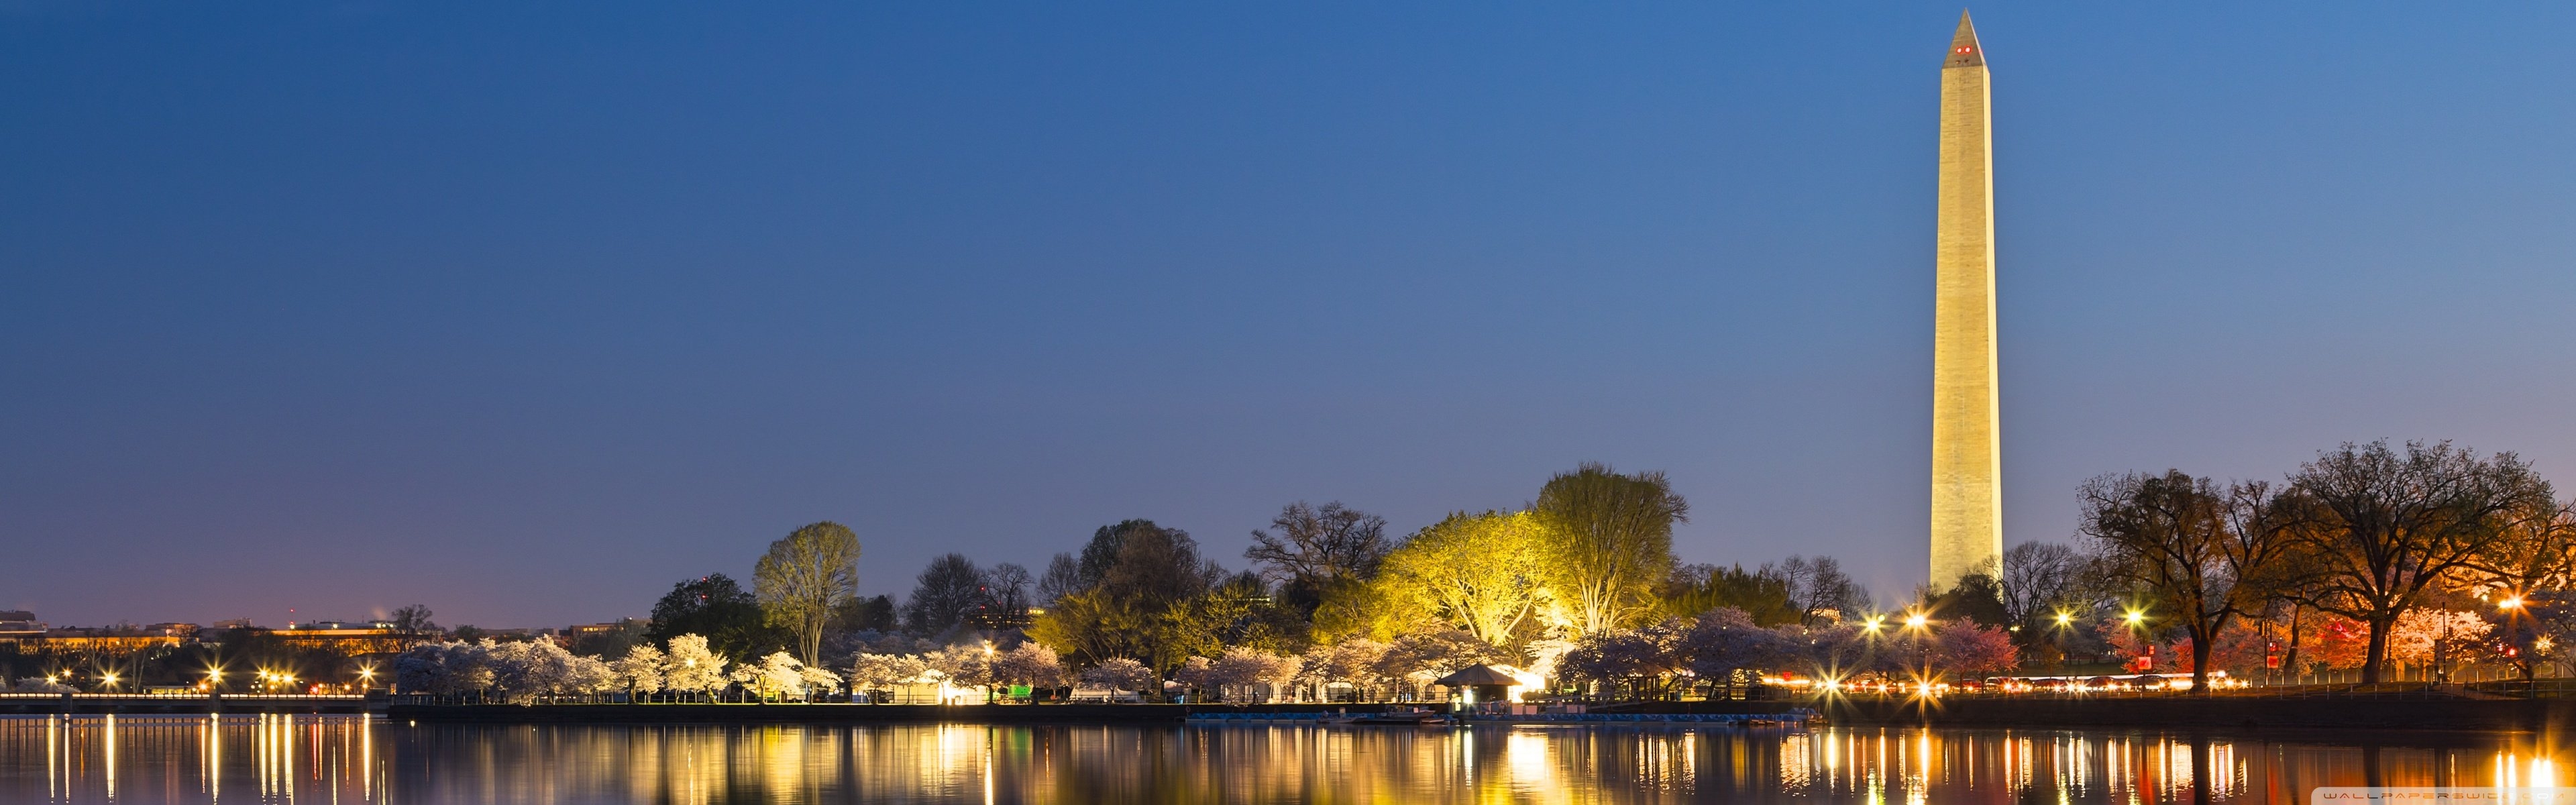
(690, 667)
(1028, 664)
(817, 679)
(878, 673)
(1126, 674)
(642, 670)
(780, 674)
(1239, 671)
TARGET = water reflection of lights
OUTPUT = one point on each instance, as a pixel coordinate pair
(110, 740)
(53, 757)
(1798, 762)
(2511, 771)
(338, 759)
(1526, 752)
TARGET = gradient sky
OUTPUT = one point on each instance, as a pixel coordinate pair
(527, 311)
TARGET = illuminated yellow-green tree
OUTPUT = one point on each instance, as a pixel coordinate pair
(803, 577)
(1608, 541)
(1478, 572)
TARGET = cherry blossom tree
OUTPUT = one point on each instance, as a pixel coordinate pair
(1967, 648)
(641, 670)
(1726, 640)
(442, 669)
(1028, 663)
(1351, 662)
(1241, 669)
(817, 679)
(691, 667)
(1123, 673)
(1196, 673)
(782, 674)
(2434, 637)
(966, 666)
(1643, 659)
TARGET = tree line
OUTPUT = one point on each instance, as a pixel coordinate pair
(2370, 555)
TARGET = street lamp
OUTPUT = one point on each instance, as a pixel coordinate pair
(2510, 603)
(2136, 617)
(1915, 623)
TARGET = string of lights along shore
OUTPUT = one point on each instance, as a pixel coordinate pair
(1967, 456)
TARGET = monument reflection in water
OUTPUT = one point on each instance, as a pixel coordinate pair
(349, 759)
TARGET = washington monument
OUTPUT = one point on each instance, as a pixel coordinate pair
(1967, 463)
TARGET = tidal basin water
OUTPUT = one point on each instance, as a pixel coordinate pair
(350, 759)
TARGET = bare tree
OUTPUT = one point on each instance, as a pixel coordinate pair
(1609, 541)
(2536, 551)
(2040, 577)
(1818, 586)
(948, 592)
(1006, 597)
(1317, 549)
(2187, 544)
(412, 623)
(2383, 528)
(804, 577)
(1063, 577)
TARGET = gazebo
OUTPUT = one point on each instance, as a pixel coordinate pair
(1480, 683)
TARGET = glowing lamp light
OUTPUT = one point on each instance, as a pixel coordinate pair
(1916, 621)
(2512, 602)
(2136, 617)
(2065, 619)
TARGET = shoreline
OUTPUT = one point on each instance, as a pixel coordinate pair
(2233, 713)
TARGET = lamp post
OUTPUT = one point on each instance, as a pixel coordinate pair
(2512, 606)
(2136, 619)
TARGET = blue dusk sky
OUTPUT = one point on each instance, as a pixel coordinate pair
(527, 311)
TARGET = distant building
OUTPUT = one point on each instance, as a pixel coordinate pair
(236, 623)
(18, 628)
(581, 630)
(350, 638)
(333, 625)
(110, 641)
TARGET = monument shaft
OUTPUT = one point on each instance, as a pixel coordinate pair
(1967, 460)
